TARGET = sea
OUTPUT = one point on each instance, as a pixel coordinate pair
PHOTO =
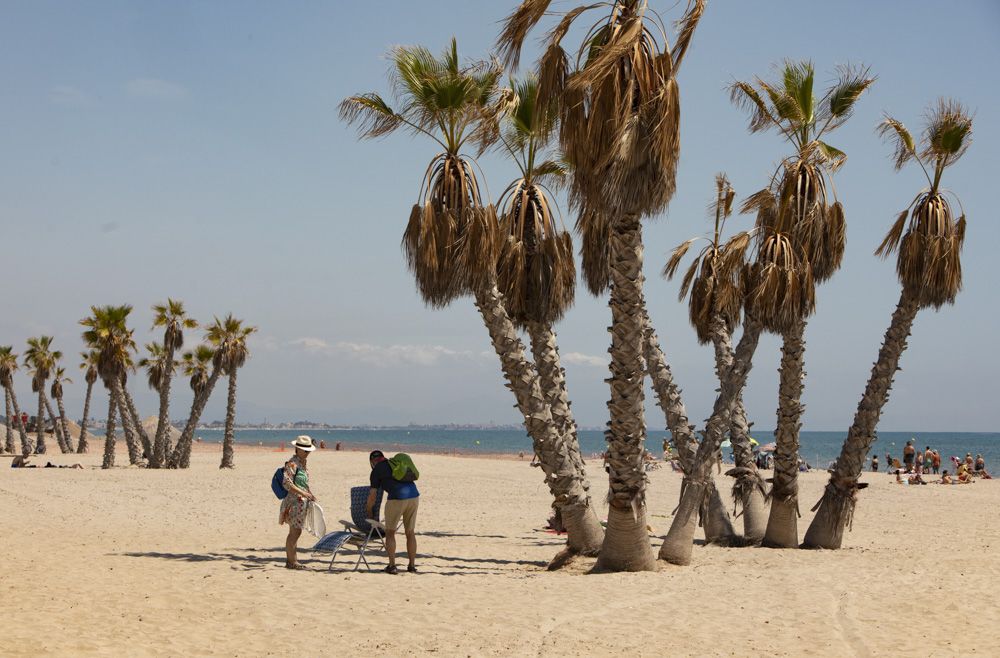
(819, 449)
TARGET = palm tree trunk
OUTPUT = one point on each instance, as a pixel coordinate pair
(56, 428)
(782, 524)
(677, 546)
(227, 440)
(749, 489)
(161, 442)
(26, 447)
(81, 446)
(136, 422)
(134, 457)
(64, 424)
(715, 518)
(181, 455)
(835, 509)
(626, 542)
(40, 422)
(109, 437)
(552, 379)
(565, 481)
(9, 446)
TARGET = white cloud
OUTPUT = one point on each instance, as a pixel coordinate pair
(157, 89)
(71, 96)
(578, 359)
(384, 355)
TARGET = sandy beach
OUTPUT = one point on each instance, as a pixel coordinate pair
(135, 562)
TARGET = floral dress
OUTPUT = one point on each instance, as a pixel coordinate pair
(294, 507)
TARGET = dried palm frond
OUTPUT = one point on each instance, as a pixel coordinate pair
(595, 250)
(780, 285)
(515, 30)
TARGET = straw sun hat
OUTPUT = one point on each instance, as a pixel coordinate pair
(303, 442)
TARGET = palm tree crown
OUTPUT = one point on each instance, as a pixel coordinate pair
(156, 365)
(796, 202)
(715, 278)
(42, 359)
(930, 244)
(57, 382)
(450, 241)
(229, 338)
(88, 363)
(172, 317)
(536, 272)
(195, 364)
(107, 333)
(8, 365)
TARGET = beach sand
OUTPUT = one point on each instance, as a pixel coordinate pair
(136, 562)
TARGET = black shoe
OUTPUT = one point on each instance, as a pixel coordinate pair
(391, 569)
(411, 569)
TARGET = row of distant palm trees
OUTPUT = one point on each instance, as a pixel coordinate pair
(110, 357)
(612, 104)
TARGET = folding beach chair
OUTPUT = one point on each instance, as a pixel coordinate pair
(359, 531)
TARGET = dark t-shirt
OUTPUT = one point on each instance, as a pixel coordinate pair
(382, 479)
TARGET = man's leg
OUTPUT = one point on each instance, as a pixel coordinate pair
(411, 546)
(390, 544)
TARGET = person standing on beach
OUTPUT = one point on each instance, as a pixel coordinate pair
(928, 459)
(936, 462)
(295, 505)
(402, 504)
(908, 454)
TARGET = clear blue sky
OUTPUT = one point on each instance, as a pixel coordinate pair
(192, 149)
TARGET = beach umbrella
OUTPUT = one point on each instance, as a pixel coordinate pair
(768, 447)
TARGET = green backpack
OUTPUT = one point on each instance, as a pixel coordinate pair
(403, 468)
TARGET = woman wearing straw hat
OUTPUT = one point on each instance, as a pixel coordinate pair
(295, 505)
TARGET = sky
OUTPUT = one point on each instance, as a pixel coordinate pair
(193, 150)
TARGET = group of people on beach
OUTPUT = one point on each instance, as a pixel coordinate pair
(916, 464)
(401, 506)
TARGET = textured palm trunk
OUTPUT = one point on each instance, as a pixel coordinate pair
(161, 442)
(81, 445)
(56, 428)
(181, 455)
(130, 442)
(749, 489)
(668, 397)
(109, 437)
(40, 423)
(782, 524)
(22, 431)
(835, 509)
(678, 544)
(228, 439)
(9, 446)
(136, 422)
(564, 479)
(626, 542)
(65, 424)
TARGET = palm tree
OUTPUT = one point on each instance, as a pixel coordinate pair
(928, 240)
(57, 394)
(89, 367)
(173, 318)
(229, 338)
(8, 366)
(196, 365)
(714, 285)
(40, 357)
(620, 130)
(8, 431)
(795, 205)
(537, 277)
(158, 366)
(451, 242)
(107, 333)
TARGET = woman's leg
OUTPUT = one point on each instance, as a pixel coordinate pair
(291, 546)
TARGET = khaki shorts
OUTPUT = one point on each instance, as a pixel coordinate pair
(405, 509)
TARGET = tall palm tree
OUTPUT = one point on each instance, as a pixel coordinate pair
(89, 367)
(714, 285)
(537, 277)
(795, 205)
(107, 333)
(157, 366)
(200, 365)
(620, 130)
(229, 338)
(451, 242)
(56, 390)
(41, 359)
(8, 431)
(8, 366)
(174, 320)
(928, 240)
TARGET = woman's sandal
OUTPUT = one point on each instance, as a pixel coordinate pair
(391, 569)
